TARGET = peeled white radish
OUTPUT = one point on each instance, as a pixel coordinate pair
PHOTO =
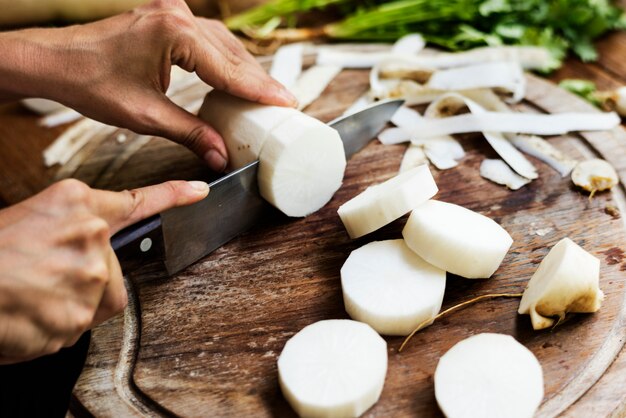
(489, 376)
(245, 126)
(384, 203)
(456, 239)
(333, 368)
(302, 164)
(567, 280)
(389, 287)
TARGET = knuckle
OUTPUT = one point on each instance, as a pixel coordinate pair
(53, 346)
(82, 321)
(73, 191)
(95, 272)
(194, 139)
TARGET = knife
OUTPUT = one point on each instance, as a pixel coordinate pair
(181, 236)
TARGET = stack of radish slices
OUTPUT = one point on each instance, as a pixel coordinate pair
(336, 368)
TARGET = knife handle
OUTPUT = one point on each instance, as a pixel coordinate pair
(139, 244)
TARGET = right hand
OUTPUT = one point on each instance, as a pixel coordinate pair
(59, 275)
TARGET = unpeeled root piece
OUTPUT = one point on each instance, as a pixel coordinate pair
(594, 175)
(383, 203)
(489, 376)
(333, 368)
(456, 239)
(389, 287)
(567, 280)
(245, 126)
(302, 164)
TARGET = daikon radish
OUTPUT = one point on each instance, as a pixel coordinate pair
(287, 64)
(489, 376)
(456, 239)
(312, 83)
(567, 280)
(389, 287)
(414, 156)
(302, 164)
(245, 126)
(500, 173)
(333, 368)
(383, 203)
(594, 175)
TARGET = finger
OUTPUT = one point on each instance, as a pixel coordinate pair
(169, 120)
(226, 71)
(115, 297)
(121, 209)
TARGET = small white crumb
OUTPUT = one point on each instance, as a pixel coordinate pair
(121, 138)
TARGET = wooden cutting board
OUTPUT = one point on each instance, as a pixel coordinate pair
(205, 342)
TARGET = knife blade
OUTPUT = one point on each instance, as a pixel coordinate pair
(182, 236)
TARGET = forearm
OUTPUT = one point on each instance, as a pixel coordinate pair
(34, 63)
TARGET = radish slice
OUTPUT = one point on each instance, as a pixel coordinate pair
(503, 75)
(43, 106)
(245, 126)
(594, 175)
(537, 124)
(333, 368)
(409, 44)
(389, 287)
(489, 376)
(456, 239)
(414, 156)
(302, 164)
(567, 280)
(544, 151)
(500, 173)
(312, 83)
(287, 64)
(383, 203)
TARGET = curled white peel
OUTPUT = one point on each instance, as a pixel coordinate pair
(414, 156)
(312, 83)
(333, 368)
(489, 376)
(544, 151)
(389, 287)
(287, 64)
(456, 239)
(567, 280)
(43, 106)
(499, 172)
(383, 203)
(409, 44)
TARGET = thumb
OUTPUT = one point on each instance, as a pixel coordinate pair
(121, 209)
(175, 123)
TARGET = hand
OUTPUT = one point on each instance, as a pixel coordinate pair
(59, 275)
(117, 71)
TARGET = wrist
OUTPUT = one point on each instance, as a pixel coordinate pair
(35, 63)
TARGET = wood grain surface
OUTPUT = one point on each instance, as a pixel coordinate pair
(205, 342)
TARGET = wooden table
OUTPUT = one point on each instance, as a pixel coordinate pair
(205, 342)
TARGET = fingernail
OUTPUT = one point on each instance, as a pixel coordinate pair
(215, 160)
(289, 97)
(199, 186)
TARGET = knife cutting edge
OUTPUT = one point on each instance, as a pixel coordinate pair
(183, 235)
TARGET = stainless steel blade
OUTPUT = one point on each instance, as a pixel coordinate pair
(234, 204)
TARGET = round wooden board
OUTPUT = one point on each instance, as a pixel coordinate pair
(205, 342)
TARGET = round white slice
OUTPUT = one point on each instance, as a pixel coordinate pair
(456, 239)
(244, 125)
(302, 164)
(389, 287)
(567, 280)
(383, 203)
(333, 368)
(489, 376)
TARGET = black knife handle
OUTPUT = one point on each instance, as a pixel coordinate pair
(139, 244)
